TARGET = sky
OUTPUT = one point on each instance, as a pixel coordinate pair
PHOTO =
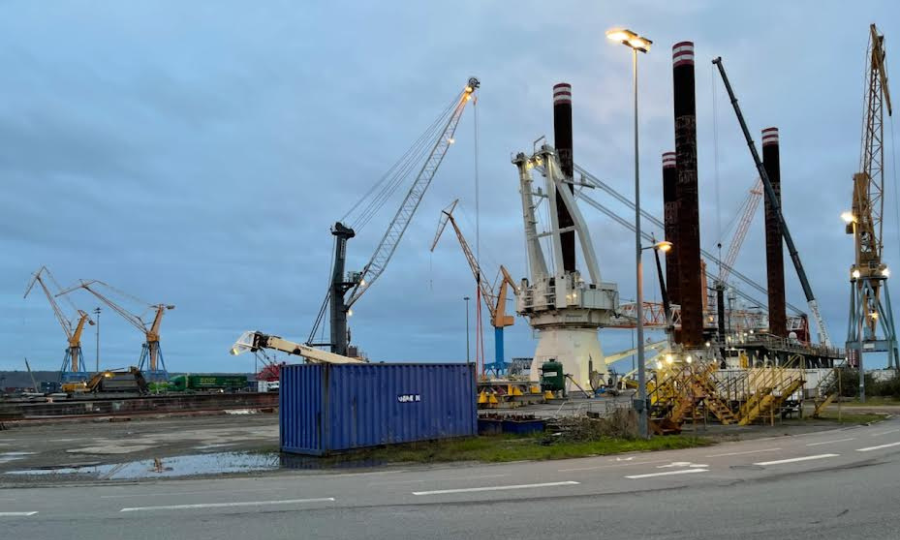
(197, 154)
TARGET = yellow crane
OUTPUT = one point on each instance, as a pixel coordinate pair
(495, 299)
(73, 363)
(870, 309)
(151, 354)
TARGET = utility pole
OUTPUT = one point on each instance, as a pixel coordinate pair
(97, 357)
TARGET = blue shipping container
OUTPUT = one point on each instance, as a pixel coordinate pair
(327, 408)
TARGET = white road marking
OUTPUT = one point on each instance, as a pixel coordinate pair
(669, 473)
(496, 488)
(224, 505)
(879, 434)
(631, 464)
(17, 514)
(683, 464)
(745, 453)
(796, 459)
(177, 493)
(879, 447)
(831, 442)
(395, 482)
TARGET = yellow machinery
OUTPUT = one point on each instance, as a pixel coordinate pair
(73, 362)
(870, 309)
(494, 298)
(109, 381)
(151, 354)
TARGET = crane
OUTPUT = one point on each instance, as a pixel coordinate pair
(869, 307)
(73, 363)
(346, 290)
(494, 299)
(254, 341)
(811, 301)
(747, 211)
(151, 354)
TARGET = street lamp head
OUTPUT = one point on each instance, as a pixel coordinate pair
(629, 38)
(848, 217)
(663, 246)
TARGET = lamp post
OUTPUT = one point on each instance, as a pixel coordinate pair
(637, 44)
(466, 298)
(97, 357)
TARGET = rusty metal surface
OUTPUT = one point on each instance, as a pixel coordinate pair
(774, 245)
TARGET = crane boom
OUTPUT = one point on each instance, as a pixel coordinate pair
(385, 250)
(749, 206)
(776, 206)
(254, 341)
(57, 311)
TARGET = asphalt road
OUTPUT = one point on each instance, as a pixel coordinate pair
(840, 483)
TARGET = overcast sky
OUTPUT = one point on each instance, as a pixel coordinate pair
(197, 153)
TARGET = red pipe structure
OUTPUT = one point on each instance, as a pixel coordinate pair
(774, 240)
(562, 140)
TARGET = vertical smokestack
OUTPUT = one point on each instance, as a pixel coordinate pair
(670, 218)
(774, 243)
(688, 247)
(562, 140)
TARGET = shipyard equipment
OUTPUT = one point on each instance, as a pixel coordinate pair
(253, 341)
(110, 381)
(151, 353)
(774, 200)
(871, 324)
(73, 366)
(494, 296)
(425, 156)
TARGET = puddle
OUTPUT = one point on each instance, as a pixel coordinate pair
(173, 467)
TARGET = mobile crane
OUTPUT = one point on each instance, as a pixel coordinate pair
(494, 299)
(151, 354)
(253, 341)
(73, 365)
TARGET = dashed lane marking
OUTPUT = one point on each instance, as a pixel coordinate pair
(225, 505)
(496, 488)
(669, 473)
(17, 514)
(796, 459)
(879, 447)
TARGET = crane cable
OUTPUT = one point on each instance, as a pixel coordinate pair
(377, 196)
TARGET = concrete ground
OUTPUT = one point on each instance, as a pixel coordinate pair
(89, 444)
(834, 483)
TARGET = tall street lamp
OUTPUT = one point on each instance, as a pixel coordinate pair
(97, 357)
(466, 298)
(637, 44)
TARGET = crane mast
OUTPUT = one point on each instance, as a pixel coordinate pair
(870, 308)
(345, 290)
(73, 363)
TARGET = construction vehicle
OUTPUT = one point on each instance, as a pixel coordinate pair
(151, 353)
(771, 196)
(109, 381)
(73, 366)
(253, 341)
(346, 289)
(494, 296)
(870, 307)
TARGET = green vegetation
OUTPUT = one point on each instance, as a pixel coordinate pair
(849, 417)
(849, 385)
(500, 448)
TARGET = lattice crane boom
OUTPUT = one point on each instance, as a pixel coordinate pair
(749, 210)
(391, 239)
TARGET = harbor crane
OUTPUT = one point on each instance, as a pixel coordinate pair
(73, 362)
(870, 303)
(151, 353)
(346, 289)
(494, 298)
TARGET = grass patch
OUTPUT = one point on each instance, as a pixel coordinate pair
(501, 448)
(872, 402)
(849, 417)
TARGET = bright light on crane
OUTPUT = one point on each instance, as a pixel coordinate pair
(855, 273)
(885, 272)
(848, 217)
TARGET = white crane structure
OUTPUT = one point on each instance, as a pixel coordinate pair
(563, 307)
